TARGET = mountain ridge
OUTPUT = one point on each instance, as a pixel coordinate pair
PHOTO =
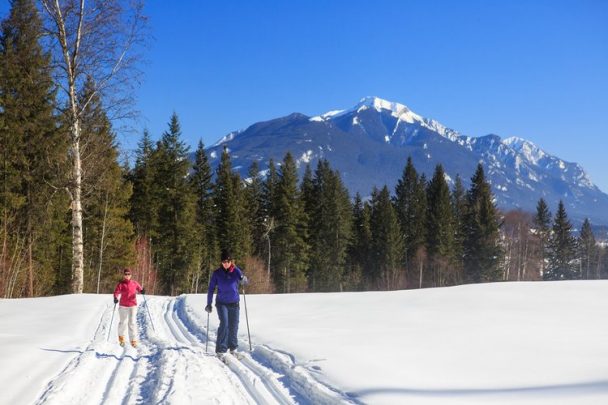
(370, 142)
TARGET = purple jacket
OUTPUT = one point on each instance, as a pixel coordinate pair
(227, 282)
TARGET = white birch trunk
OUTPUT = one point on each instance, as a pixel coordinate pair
(76, 192)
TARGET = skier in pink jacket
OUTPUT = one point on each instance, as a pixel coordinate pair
(127, 289)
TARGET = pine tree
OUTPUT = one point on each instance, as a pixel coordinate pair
(561, 249)
(330, 230)
(440, 229)
(176, 248)
(359, 248)
(482, 251)
(291, 255)
(32, 157)
(202, 185)
(387, 243)
(410, 205)
(459, 209)
(108, 232)
(144, 208)
(254, 201)
(587, 252)
(542, 224)
(268, 213)
(226, 202)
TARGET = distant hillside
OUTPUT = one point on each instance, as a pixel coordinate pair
(369, 145)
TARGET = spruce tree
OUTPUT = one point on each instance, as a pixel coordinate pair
(587, 252)
(561, 249)
(359, 248)
(482, 251)
(202, 185)
(268, 213)
(254, 202)
(330, 229)
(144, 206)
(290, 249)
(410, 205)
(542, 225)
(108, 232)
(229, 202)
(176, 248)
(459, 209)
(387, 242)
(440, 229)
(33, 154)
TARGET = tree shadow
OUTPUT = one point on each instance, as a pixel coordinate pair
(558, 389)
(118, 357)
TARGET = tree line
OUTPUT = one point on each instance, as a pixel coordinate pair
(73, 211)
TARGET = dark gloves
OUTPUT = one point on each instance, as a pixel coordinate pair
(143, 290)
(209, 308)
(244, 280)
(115, 300)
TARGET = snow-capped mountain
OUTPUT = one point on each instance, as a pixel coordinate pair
(370, 143)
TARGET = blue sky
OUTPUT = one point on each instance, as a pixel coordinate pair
(537, 69)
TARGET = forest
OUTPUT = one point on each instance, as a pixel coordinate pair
(75, 209)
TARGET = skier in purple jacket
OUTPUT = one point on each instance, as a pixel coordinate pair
(227, 279)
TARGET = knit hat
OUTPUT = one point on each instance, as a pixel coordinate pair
(126, 270)
(226, 255)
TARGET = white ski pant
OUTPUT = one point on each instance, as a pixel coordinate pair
(127, 317)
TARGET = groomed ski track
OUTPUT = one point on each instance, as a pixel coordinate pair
(172, 366)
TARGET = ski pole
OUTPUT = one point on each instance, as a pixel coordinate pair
(207, 342)
(247, 318)
(148, 310)
(111, 321)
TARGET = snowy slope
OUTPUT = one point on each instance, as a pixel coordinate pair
(507, 343)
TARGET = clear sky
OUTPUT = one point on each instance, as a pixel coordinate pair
(537, 69)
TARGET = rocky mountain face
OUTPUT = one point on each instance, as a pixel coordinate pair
(370, 143)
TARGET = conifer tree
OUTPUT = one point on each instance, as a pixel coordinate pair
(32, 158)
(542, 224)
(108, 236)
(254, 196)
(387, 243)
(561, 249)
(176, 248)
(482, 251)
(359, 249)
(331, 222)
(587, 252)
(309, 200)
(229, 202)
(144, 206)
(410, 205)
(269, 188)
(202, 185)
(440, 229)
(290, 249)
(459, 209)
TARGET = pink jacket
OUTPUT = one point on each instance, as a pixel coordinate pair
(127, 289)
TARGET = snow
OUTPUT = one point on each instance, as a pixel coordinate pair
(501, 343)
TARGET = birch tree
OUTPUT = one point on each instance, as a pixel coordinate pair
(98, 39)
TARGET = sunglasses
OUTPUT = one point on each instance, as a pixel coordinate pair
(127, 274)
(226, 261)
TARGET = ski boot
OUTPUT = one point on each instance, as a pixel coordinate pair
(134, 343)
(121, 340)
(236, 354)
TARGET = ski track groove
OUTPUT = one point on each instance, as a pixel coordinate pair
(158, 370)
(270, 365)
(256, 384)
(59, 390)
